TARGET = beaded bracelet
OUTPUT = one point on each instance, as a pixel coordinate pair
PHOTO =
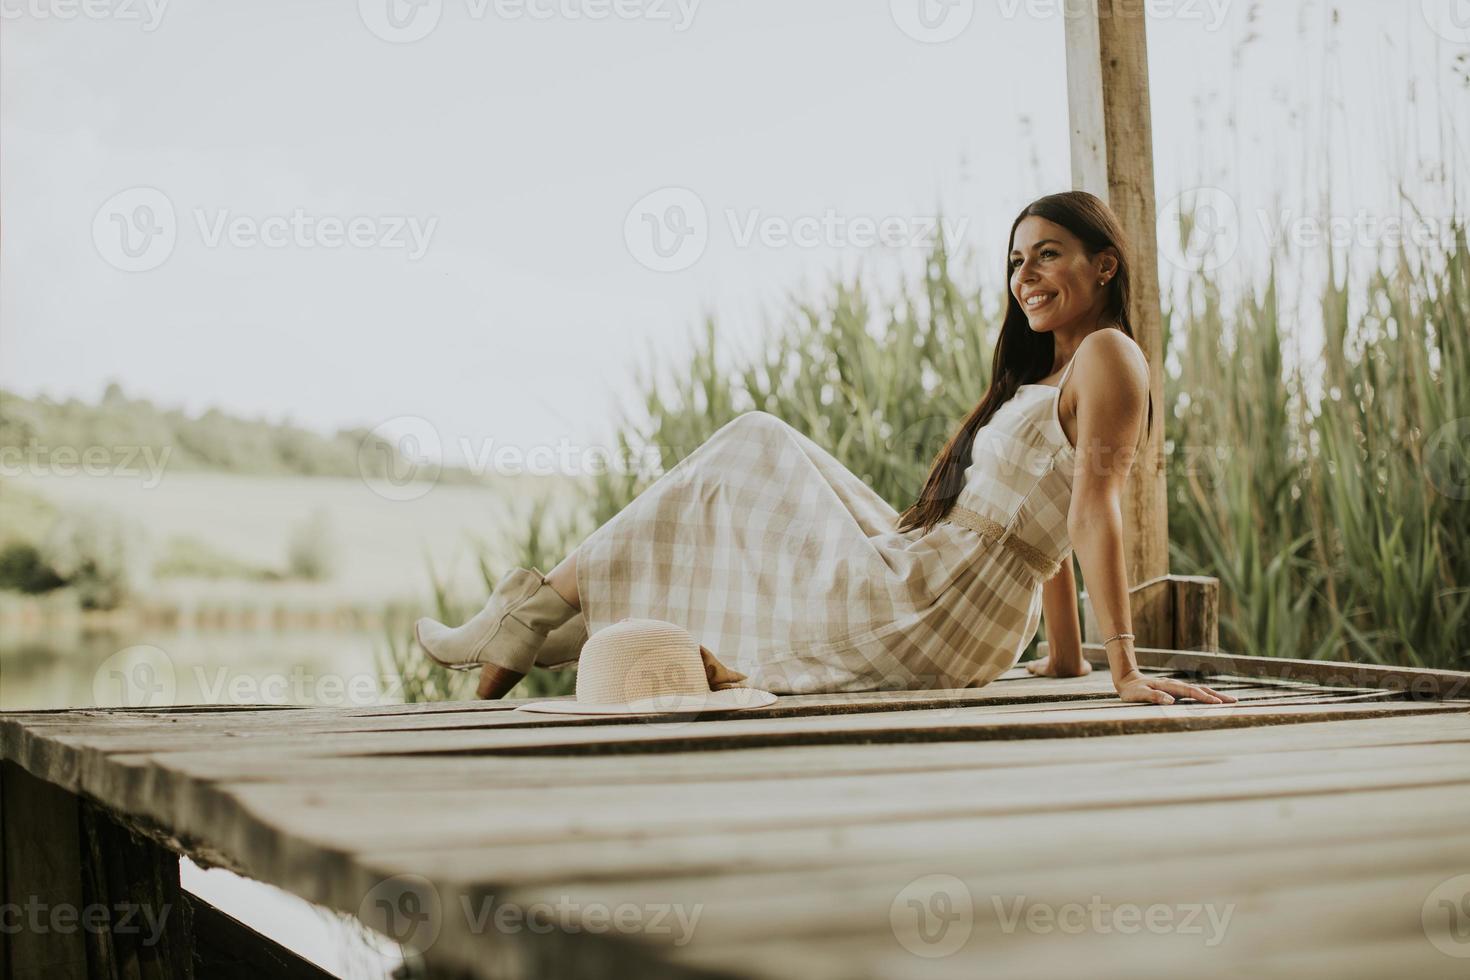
(1116, 636)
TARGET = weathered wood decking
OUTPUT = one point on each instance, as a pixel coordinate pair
(1029, 828)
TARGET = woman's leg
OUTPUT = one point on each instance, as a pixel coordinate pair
(563, 578)
(496, 681)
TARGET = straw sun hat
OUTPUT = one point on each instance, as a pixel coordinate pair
(648, 666)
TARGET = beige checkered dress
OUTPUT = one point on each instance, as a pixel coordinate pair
(788, 567)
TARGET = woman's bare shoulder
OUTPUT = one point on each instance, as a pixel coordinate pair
(1109, 355)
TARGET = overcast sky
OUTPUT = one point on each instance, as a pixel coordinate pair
(483, 213)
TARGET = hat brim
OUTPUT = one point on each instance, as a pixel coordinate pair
(729, 699)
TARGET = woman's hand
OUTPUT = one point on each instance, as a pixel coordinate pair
(1047, 667)
(1134, 686)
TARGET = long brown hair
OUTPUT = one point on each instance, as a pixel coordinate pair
(1023, 356)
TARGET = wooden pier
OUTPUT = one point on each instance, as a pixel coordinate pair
(1030, 828)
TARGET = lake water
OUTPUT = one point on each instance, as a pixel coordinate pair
(383, 548)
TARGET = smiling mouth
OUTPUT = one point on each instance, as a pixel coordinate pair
(1037, 302)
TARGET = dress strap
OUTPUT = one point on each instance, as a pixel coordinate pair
(1066, 371)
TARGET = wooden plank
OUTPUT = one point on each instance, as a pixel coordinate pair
(846, 915)
(412, 773)
(1416, 682)
(290, 840)
(194, 801)
(1045, 694)
(471, 816)
(60, 752)
(852, 904)
(1353, 818)
(131, 790)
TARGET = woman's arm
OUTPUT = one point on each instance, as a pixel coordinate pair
(1112, 396)
(1063, 631)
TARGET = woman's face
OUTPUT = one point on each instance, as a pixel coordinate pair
(1052, 276)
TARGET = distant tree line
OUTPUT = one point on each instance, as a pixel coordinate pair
(33, 429)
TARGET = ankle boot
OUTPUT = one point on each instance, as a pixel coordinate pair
(561, 650)
(509, 631)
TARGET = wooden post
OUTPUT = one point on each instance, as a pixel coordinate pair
(83, 896)
(1112, 157)
(1171, 612)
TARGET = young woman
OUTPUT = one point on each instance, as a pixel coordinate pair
(797, 574)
